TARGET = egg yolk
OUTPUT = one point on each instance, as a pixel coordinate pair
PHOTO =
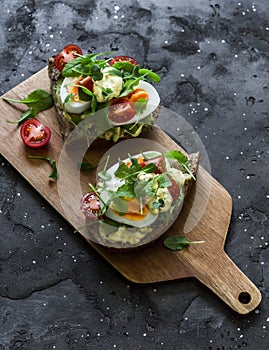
(134, 211)
(73, 90)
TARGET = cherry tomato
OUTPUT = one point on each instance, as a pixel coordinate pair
(123, 59)
(174, 189)
(159, 162)
(121, 111)
(34, 134)
(87, 82)
(66, 55)
(91, 205)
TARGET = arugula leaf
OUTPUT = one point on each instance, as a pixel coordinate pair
(69, 69)
(178, 242)
(140, 105)
(91, 94)
(153, 76)
(126, 190)
(149, 168)
(106, 92)
(85, 65)
(125, 66)
(158, 204)
(144, 189)
(95, 72)
(123, 170)
(54, 173)
(84, 95)
(163, 181)
(181, 158)
(37, 101)
(25, 115)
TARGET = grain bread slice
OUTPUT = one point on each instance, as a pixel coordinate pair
(155, 233)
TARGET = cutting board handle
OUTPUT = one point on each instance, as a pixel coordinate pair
(225, 279)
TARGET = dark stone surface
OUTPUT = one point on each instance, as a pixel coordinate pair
(56, 292)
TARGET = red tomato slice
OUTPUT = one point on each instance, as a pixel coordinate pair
(71, 50)
(87, 83)
(159, 162)
(66, 55)
(34, 134)
(121, 111)
(123, 59)
(174, 189)
(59, 62)
(90, 205)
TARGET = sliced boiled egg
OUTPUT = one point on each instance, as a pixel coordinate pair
(74, 104)
(133, 216)
(152, 104)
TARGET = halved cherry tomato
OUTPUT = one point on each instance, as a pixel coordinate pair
(174, 189)
(121, 111)
(66, 55)
(123, 59)
(87, 82)
(34, 134)
(159, 162)
(91, 205)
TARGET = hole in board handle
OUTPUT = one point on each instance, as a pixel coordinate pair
(244, 297)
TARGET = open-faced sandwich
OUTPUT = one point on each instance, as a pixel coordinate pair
(84, 84)
(136, 200)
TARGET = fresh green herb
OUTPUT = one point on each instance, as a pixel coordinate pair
(181, 158)
(68, 98)
(124, 66)
(123, 170)
(86, 166)
(106, 92)
(104, 175)
(178, 242)
(153, 76)
(126, 190)
(144, 189)
(159, 203)
(163, 181)
(140, 105)
(130, 173)
(85, 65)
(87, 95)
(37, 101)
(54, 173)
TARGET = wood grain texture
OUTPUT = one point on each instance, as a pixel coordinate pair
(207, 262)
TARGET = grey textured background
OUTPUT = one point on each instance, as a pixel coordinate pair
(56, 292)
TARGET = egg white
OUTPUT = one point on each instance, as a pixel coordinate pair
(113, 184)
(153, 103)
(71, 106)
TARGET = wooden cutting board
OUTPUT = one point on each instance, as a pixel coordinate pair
(207, 262)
